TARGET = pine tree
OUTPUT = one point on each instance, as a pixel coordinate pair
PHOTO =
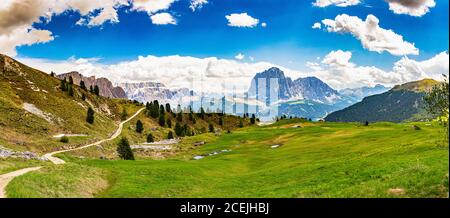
(90, 116)
(253, 119)
(202, 113)
(162, 110)
(63, 85)
(70, 90)
(168, 108)
(124, 149)
(124, 114)
(150, 138)
(83, 97)
(139, 126)
(169, 123)
(221, 121)
(70, 80)
(91, 90)
(211, 128)
(170, 135)
(180, 117)
(178, 129)
(96, 90)
(82, 85)
(162, 120)
(52, 74)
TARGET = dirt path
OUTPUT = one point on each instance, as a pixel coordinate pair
(6, 178)
(56, 160)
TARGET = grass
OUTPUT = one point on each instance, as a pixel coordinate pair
(314, 160)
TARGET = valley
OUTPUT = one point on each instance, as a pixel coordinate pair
(60, 139)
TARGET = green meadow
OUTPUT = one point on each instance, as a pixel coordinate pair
(291, 158)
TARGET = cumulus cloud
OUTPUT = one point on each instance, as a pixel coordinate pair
(338, 3)
(416, 8)
(240, 56)
(264, 24)
(241, 20)
(197, 4)
(21, 37)
(163, 19)
(371, 35)
(317, 25)
(152, 6)
(338, 71)
(200, 74)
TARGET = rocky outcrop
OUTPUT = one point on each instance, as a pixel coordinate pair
(106, 87)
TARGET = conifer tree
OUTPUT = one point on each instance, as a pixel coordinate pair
(82, 85)
(202, 113)
(70, 90)
(241, 123)
(169, 123)
(170, 135)
(168, 108)
(162, 120)
(124, 114)
(139, 126)
(253, 119)
(180, 116)
(211, 128)
(96, 90)
(150, 138)
(178, 129)
(63, 85)
(124, 149)
(91, 90)
(90, 116)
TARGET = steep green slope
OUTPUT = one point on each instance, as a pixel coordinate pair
(33, 109)
(402, 103)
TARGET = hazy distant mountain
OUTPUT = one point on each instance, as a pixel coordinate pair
(106, 87)
(150, 91)
(357, 94)
(401, 103)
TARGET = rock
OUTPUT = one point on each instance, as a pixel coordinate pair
(275, 146)
(396, 191)
(8, 153)
(198, 157)
(199, 143)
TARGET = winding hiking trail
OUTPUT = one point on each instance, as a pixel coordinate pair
(8, 177)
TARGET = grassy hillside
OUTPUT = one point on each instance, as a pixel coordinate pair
(402, 103)
(33, 109)
(312, 160)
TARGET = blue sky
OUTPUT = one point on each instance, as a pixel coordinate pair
(288, 39)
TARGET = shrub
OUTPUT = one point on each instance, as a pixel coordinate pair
(64, 139)
(211, 128)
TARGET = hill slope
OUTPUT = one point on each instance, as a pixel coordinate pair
(401, 103)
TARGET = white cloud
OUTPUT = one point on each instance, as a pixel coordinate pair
(240, 56)
(241, 20)
(416, 8)
(339, 3)
(264, 24)
(197, 4)
(337, 70)
(338, 58)
(200, 74)
(317, 25)
(371, 35)
(151, 6)
(21, 37)
(163, 19)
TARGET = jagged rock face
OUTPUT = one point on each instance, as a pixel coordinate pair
(263, 80)
(106, 87)
(313, 88)
(150, 91)
(310, 88)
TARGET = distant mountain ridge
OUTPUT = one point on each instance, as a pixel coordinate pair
(106, 87)
(401, 103)
(359, 93)
(150, 91)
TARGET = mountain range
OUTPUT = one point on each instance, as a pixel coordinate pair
(105, 86)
